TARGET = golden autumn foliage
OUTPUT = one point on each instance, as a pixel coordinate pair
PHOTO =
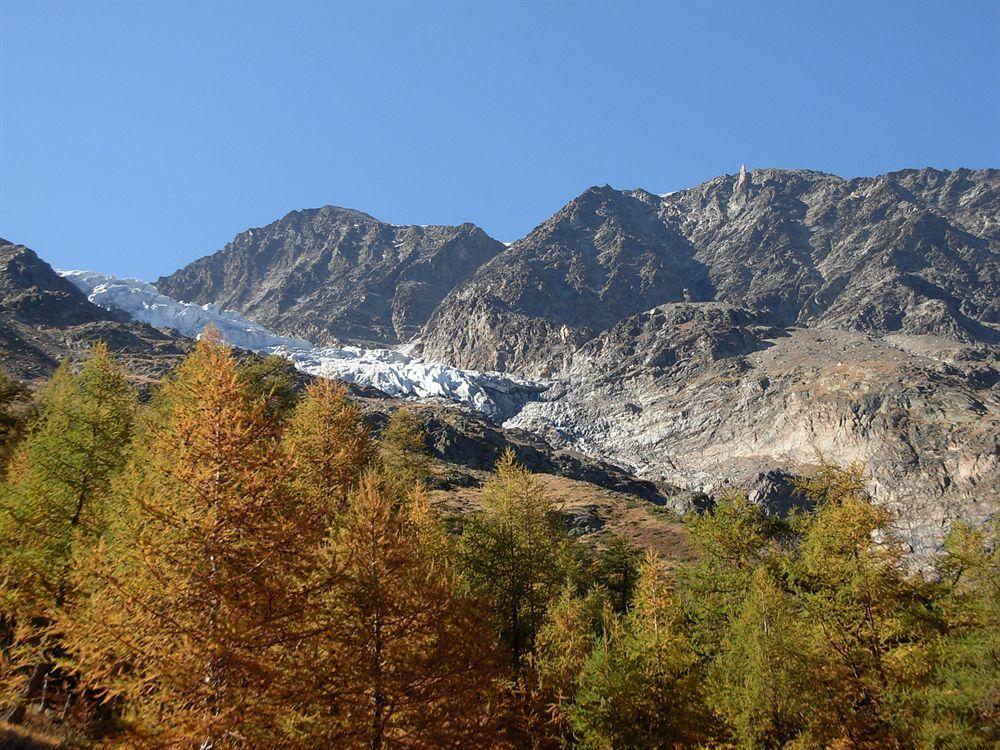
(410, 662)
(52, 509)
(240, 565)
(195, 590)
(328, 444)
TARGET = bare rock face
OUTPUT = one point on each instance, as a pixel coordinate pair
(706, 396)
(606, 255)
(44, 319)
(915, 252)
(332, 274)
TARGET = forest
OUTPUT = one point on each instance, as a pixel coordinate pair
(236, 562)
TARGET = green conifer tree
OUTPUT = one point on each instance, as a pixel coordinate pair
(15, 412)
(730, 542)
(572, 626)
(618, 572)
(403, 449)
(759, 681)
(639, 688)
(867, 623)
(272, 378)
(53, 507)
(962, 704)
(516, 554)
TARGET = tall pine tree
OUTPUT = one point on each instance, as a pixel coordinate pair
(408, 661)
(197, 593)
(639, 687)
(516, 555)
(52, 508)
(329, 444)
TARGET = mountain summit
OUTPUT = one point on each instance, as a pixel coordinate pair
(332, 274)
(916, 252)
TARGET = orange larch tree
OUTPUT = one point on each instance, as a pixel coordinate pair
(411, 664)
(197, 590)
(329, 445)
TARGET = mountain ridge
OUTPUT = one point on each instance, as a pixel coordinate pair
(813, 248)
(44, 319)
(333, 274)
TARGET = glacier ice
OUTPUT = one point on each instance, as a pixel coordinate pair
(145, 303)
(394, 372)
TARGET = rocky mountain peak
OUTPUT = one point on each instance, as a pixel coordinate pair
(916, 252)
(334, 274)
(34, 294)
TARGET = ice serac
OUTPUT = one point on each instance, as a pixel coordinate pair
(335, 275)
(390, 371)
(398, 374)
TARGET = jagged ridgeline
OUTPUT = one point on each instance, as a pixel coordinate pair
(721, 335)
(913, 251)
(333, 274)
(241, 563)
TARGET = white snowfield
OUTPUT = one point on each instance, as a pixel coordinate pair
(393, 372)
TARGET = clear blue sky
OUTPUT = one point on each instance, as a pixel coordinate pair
(137, 137)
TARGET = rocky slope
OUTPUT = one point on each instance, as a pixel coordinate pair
(44, 318)
(729, 334)
(706, 395)
(332, 274)
(916, 252)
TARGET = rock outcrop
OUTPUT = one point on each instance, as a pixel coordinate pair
(706, 396)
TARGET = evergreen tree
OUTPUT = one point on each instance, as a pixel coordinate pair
(618, 572)
(516, 554)
(409, 662)
(962, 705)
(52, 508)
(14, 415)
(639, 686)
(403, 449)
(329, 445)
(867, 623)
(759, 681)
(196, 596)
(572, 625)
(274, 379)
(730, 542)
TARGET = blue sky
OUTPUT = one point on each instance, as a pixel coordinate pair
(137, 137)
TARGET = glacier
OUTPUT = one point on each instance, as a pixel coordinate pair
(146, 303)
(394, 372)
